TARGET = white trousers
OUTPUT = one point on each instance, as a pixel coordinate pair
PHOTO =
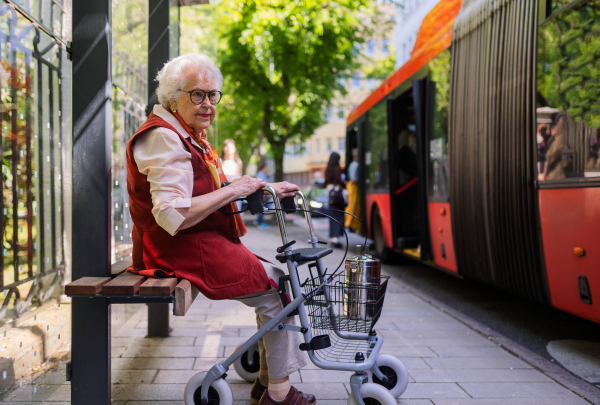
(279, 350)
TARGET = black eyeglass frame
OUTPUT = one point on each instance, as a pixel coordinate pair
(205, 94)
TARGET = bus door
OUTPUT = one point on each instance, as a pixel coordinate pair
(404, 173)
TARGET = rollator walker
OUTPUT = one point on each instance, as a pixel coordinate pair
(337, 314)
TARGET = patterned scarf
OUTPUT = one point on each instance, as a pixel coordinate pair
(211, 157)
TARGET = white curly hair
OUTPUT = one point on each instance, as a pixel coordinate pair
(178, 72)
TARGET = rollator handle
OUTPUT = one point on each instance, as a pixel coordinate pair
(280, 249)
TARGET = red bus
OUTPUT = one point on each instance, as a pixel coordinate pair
(479, 156)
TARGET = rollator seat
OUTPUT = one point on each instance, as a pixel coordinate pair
(305, 255)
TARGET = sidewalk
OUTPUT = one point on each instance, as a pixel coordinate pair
(448, 362)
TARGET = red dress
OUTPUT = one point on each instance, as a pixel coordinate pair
(206, 254)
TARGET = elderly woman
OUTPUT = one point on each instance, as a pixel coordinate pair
(173, 180)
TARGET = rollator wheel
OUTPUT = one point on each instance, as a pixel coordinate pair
(219, 392)
(374, 394)
(394, 370)
(247, 369)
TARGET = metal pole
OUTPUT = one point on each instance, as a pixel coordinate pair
(92, 139)
(159, 35)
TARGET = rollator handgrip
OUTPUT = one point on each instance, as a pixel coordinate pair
(280, 249)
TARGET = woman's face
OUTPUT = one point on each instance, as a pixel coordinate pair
(229, 149)
(198, 117)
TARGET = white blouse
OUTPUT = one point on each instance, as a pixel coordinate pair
(160, 155)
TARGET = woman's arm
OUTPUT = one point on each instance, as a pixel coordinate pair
(204, 205)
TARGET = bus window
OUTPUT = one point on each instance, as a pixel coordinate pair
(376, 156)
(568, 79)
(438, 184)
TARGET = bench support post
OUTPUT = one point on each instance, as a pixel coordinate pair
(158, 320)
(90, 352)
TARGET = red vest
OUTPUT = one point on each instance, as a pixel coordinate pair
(206, 254)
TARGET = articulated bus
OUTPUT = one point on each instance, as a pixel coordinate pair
(479, 156)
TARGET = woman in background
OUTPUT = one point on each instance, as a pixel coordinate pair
(338, 197)
(232, 164)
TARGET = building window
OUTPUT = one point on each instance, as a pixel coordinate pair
(371, 83)
(307, 148)
(328, 145)
(370, 47)
(385, 47)
(341, 114)
(341, 145)
(356, 80)
(356, 49)
(329, 114)
(318, 146)
(342, 81)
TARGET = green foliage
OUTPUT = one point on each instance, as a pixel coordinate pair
(569, 63)
(382, 68)
(440, 75)
(281, 60)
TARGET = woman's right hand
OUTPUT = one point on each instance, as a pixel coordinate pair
(246, 185)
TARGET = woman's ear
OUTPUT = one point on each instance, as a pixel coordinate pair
(173, 106)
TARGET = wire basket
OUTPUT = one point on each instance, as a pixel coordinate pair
(344, 306)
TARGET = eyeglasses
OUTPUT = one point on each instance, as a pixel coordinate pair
(197, 96)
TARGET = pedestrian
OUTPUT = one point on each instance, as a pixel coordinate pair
(353, 188)
(338, 198)
(232, 164)
(262, 174)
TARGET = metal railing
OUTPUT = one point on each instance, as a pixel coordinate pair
(32, 172)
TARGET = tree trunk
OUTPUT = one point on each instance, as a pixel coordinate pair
(278, 168)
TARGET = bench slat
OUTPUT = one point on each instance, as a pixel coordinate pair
(185, 294)
(86, 286)
(119, 267)
(158, 286)
(124, 284)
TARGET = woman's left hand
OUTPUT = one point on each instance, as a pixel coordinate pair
(284, 189)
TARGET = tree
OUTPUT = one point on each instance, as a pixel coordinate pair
(282, 60)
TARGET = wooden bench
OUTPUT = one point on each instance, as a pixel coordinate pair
(129, 288)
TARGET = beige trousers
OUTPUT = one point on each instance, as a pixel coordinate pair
(278, 350)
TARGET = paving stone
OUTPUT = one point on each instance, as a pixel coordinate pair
(501, 375)
(162, 341)
(117, 351)
(519, 390)
(152, 364)
(402, 325)
(148, 392)
(512, 401)
(219, 340)
(468, 340)
(413, 333)
(55, 377)
(174, 351)
(315, 376)
(434, 390)
(476, 363)
(414, 401)
(133, 376)
(121, 341)
(153, 403)
(471, 351)
(324, 391)
(62, 394)
(414, 363)
(407, 351)
(26, 393)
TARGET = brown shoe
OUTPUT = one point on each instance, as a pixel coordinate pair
(294, 397)
(258, 389)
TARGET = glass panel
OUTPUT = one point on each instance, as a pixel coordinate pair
(35, 150)
(376, 155)
(438, 184)
(48, 13)
(568, 86)
(130, 88)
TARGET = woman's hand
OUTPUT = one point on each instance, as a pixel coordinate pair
(246, 185)
(285, 189)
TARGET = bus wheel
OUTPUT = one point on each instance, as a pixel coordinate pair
(383, 252)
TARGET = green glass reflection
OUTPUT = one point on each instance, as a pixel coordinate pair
(377, 155)
(568, 81)
(438, 142)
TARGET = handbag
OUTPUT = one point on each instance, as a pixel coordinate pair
(336, 196)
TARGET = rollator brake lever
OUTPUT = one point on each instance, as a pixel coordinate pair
(280, 249)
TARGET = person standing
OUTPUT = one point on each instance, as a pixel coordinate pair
(338, 197)
(232, 164)
(353, 193)
(262, 174)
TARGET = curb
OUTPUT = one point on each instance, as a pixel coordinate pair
(562, 376)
